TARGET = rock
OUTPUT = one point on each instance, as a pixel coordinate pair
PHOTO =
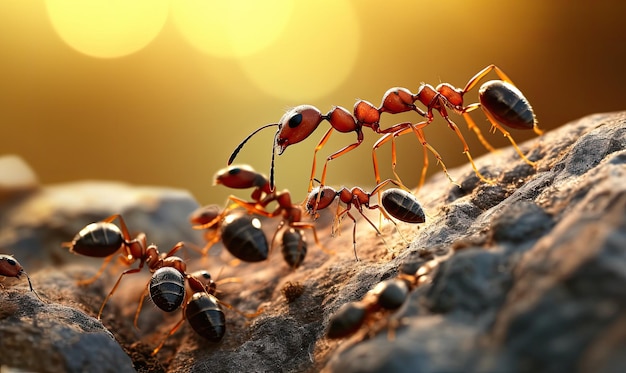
(52, 336)
(16, 177)
(525, 274)
(537, 280)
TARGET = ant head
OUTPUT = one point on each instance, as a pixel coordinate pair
(10, 267)
(239, 177)
(206, 215)
(296, 125)
(322, 197)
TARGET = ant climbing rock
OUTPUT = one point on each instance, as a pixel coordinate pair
(202, 310)
(388, 295)
(322, 197)
(294, 245)
(9, 267)
(105, 239)
(502, 102)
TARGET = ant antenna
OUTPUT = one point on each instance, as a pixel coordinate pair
(272, 185)
(236, 151)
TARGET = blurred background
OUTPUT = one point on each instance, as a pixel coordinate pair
(158, 92)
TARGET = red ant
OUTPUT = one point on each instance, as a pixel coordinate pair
(500, 100)
(104, 239)
(9, 267)
(357, 197)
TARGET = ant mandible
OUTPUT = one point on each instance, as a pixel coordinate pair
(104, 239)
(500, 100)
(9, 267)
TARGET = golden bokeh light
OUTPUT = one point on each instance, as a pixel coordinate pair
(304, 63)
(107, 28)
(231, 29)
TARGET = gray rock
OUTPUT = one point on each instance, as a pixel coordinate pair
(16, 177)
(537, 280)
(54, 336)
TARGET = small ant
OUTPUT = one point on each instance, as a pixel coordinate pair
(388, 295)
(202, 310)
(104, 239)
(321, 197)
(294, 245)
(9, 267)
(502, 103)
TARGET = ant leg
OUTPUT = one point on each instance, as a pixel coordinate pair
(304, 225)
(330, 158)
(482, 73)
(143, 297)
(172, 331)
(506, 134)
(93, 278)
(128, 271)
(319, 146)
(472, 126)
(419, 132)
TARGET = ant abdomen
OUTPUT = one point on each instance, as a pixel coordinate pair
(403, 206)
(294, 247)
(347, 320)
(243, 238)
(507, 105)
(206, 317)
(167, 288)
(97, 240)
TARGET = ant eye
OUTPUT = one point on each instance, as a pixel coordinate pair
(206, 276)
(234, 171)
(295, 120)
(11, 261)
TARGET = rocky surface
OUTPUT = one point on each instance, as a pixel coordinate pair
(531, 276)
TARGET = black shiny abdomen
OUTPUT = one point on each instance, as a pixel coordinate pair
(294, 247)
(392, 293)
(167, 288)
(206, 317)
(403, 206)
(506, 104)
(347, 320)
(98, 240)
(243, 237)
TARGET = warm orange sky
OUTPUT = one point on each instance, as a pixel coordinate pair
(160, 92)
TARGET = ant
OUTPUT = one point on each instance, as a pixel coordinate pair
(503, 104)
(104, 239)
(9, 267)
(322, 197)
(388, 295)
(202, 309)
(294, 245)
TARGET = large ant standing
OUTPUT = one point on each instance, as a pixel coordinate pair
(105, 239)
(9, 267)
(503, 104)
(401, 204)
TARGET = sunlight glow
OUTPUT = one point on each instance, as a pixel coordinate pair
(107, 28)
(231, 28)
